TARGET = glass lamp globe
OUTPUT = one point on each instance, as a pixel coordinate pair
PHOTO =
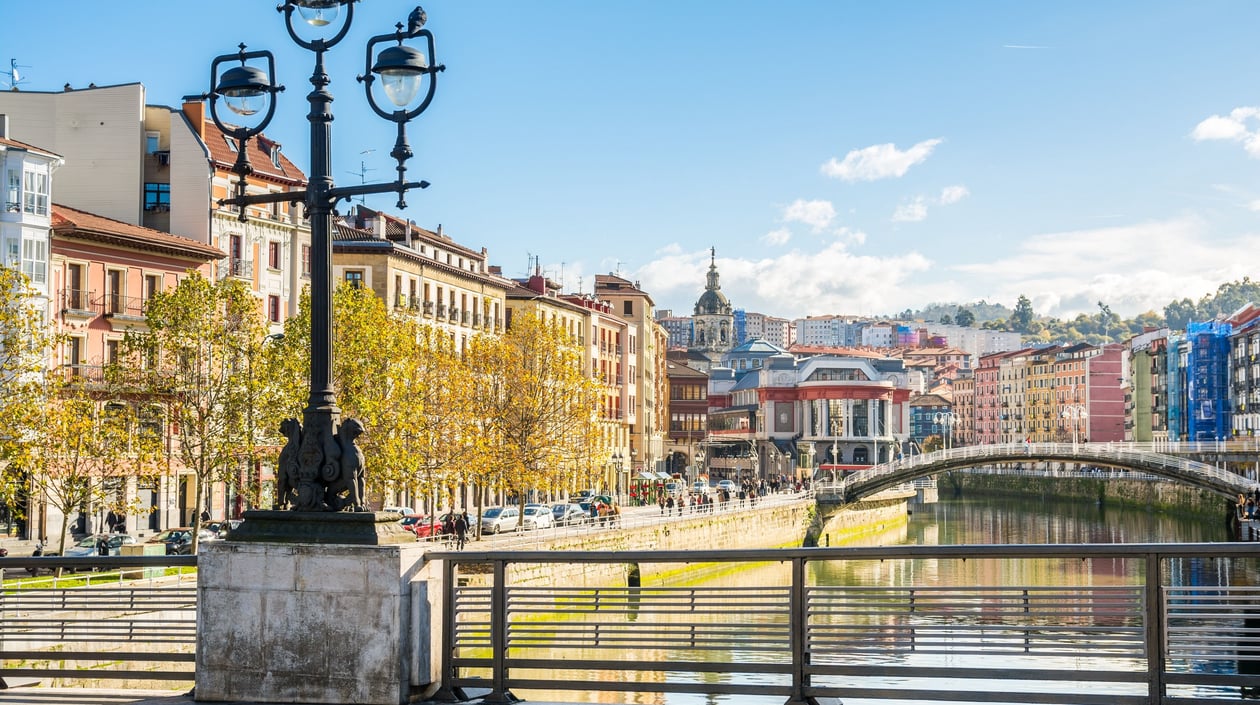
(318, 13)
(244, 89)
(401, 69)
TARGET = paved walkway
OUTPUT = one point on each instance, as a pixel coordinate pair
(34, 695)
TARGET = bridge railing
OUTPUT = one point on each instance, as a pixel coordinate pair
(1139, 630)
(1121, 454)
(99, 618)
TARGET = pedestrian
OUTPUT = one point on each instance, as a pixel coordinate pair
(461, 530)
(102, 546)
(39, 547)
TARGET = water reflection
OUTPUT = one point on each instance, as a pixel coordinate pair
(973, 521)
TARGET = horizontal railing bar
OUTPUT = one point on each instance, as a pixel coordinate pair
(99, 674)
(847, 553)
(173, 656)
(959, 672)
(650, 687)
(979, 696)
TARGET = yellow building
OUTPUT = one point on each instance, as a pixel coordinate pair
(424, 272)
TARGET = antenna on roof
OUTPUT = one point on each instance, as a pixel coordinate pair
(363, 172)
(13, 77)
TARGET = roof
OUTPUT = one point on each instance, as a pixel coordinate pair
(349, 239)
(30, 148)
(757, 346)
(259, 156)
(71, 222)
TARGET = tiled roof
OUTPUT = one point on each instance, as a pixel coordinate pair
(30, 148)
(224, 156)
(89, 226)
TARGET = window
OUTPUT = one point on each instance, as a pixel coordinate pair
(152, 285)
(354, 277)
(157, 197)
(152, 142)
(627, 307)
(111, 352)
(273, 308)
(76, 297)
(273, 255)
(35, 192)
(74, 354)
(275, 155)
(13, 192)
(306, 261)
(231, 143)
(113, 291)
(35, 259)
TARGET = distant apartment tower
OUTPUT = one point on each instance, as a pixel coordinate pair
(678, 328)
(830, 331)
(975, 341)
(759, 326)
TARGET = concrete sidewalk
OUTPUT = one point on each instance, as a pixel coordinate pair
(34, 695)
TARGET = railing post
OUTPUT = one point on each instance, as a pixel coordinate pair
(446, 689)
(498, 636)
(1154, 629)
(798, 623)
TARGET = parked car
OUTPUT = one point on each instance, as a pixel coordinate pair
(700, 487)
(90, 546)
(568, 513)
(402, 511)
(673, 489)
(422, 525)
(497, 519)
(537, 516)
(178, 541)
(729, 486)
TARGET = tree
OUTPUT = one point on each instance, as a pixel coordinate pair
(194, 360)
(964, 317)
(1022, 319)
(83, 453)
(947, 320)
(26, 343)
(537, 402)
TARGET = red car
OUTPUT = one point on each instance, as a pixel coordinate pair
(422, 525)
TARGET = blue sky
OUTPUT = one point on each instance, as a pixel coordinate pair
(843, 157)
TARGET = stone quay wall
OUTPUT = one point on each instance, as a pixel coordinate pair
(1163, 496)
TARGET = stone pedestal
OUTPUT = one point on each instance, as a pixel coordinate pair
(311, 623)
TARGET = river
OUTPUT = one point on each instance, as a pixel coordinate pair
(971, 520)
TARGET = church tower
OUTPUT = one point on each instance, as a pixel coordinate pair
(713, 322)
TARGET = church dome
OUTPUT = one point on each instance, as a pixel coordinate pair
(712, 301)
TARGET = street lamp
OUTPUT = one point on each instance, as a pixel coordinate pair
(320, 460)
(945, 421)
(1075, 412)
(617, 462)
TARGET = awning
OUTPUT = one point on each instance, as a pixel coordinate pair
(664, 476)
(786, 447)
(647, 476)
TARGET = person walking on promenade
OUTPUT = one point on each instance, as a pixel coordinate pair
(461, 530)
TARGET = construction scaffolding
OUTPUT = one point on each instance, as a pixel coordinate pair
(1207, 412)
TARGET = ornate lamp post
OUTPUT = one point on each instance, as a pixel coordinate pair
(1073, 414)
(945, 421)
(321, 469)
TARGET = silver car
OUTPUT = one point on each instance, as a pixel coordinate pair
(497, 519)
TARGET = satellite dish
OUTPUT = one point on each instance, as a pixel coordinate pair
(14, 77)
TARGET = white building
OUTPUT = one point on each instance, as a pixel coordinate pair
(27, 215)
(975, 341)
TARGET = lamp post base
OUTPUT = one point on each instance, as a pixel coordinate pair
(348, 528)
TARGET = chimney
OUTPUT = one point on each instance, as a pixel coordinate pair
(439, 230)
(378, 226)
(4, 125)
(195, 110)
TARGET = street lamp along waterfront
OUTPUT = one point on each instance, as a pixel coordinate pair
(321, 468)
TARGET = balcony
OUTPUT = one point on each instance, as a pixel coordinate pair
(400, 301)
(239, 268)
(78, 304)
(114, 305)
(90, 374)
(441, 311)
(428, 308)
(476, 321)
(454, 314)
(465, 317)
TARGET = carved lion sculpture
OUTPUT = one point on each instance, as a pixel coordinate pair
(350, 480)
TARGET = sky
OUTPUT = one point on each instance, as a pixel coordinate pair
(841, 157)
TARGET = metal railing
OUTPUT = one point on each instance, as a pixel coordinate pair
(101, 618)
(1141, 457)
(1104, 638)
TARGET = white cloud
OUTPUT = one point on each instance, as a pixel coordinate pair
(911, 212)
(777, 237)
(952, 194)
(1254, 205)
(879, 161)
(1233, 127)
(1131, 268)
(816, 214)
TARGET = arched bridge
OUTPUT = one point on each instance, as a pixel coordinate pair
(1180, 469)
